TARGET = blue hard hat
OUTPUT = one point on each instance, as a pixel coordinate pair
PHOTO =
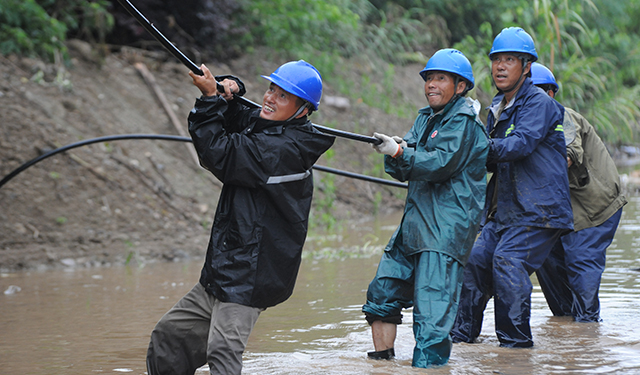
(541, 75)
(452, 61)
(300, 79)
(515, 40)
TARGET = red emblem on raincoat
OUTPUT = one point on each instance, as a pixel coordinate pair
(433, 135)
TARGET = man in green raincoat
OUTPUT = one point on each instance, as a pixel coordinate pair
(443, 159)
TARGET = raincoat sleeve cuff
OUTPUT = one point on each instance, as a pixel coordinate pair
(491, 156)
(241, 86)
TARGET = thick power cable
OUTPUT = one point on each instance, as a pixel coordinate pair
(110, 138)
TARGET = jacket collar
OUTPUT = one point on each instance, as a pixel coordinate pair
(448, 109)
(522, 91)
(262, 124)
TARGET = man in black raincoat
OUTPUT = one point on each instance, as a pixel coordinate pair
(264, 159)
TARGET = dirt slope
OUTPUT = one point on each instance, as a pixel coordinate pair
(139, 200)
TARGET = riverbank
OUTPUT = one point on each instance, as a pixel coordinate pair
(126, 201)
(141, 200)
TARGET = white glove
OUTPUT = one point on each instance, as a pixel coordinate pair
(400, 141)
(388, 146)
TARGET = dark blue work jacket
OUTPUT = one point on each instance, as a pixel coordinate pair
(529, 160)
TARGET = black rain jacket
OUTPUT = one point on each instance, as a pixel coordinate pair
(262, 216)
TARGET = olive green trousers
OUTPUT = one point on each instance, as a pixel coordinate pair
(201, 329)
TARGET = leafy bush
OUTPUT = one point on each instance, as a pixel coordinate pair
(39, 28)
(595, 63)
(400, 34)
(25, 28)
(330, 32)
(343, 28)
(462, 17)
(301, 27)
(85, 19)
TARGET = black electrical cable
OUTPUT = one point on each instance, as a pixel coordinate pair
(196, 70)
(381, 181)
(165, 137)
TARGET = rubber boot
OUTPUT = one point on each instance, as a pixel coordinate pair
(383, 354)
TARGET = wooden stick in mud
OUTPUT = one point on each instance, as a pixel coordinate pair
(179, 125)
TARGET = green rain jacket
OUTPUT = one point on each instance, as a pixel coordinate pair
(444, 164)
(593, 178)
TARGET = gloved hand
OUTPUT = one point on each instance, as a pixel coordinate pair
(400, 141)
(388, 146)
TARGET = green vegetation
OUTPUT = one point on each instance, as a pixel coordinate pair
(335, 33)
(324, 202)
(595, 62)
(293, 25)
(591, 45)
(39, 28)
(26, 28)
(133, 254)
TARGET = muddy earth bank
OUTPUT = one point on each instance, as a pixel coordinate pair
(142, 200)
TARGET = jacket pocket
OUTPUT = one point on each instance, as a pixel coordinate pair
(234, 272)
(239, 264)
(594, 197)
(578, 177)
(237, 258)
(234, 237)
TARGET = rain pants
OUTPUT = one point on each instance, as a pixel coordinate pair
(570, 277)
(531, 210)
(500, 265)
(444, 164)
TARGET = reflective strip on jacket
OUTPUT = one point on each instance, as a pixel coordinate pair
(529, 160)
(262, 215)
(444, 164)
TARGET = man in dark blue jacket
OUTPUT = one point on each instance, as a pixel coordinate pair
(264, 159)
(527, 207)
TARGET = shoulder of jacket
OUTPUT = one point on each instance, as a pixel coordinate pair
(579, 121)
(304, 126)
(532, 91)
(465, 107)
(571, 113)
(460, 110)
(425, 111)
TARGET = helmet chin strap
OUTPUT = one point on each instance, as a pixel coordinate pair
(298, 112)
(455, 89)
(515, 85)
(455, 92)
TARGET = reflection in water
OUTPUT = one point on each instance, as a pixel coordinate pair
(89, 321)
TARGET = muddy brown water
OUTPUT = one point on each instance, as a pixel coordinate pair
(97, 321)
